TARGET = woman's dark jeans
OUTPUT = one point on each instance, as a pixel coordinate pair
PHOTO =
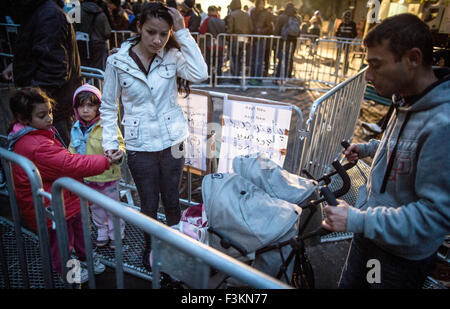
(395, 272)
(154, 173)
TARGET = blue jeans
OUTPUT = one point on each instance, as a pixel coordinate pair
(155, 173)
(288, 59)
(259, 48)
(395, 272)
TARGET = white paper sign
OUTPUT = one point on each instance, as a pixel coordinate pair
(249, 128)
(195, 110)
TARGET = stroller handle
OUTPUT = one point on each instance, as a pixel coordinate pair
(346, 183)
(330, 198)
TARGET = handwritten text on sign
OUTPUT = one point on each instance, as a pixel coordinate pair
(253, 127)
(195, 110)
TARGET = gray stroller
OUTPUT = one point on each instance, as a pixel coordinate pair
(264, 216)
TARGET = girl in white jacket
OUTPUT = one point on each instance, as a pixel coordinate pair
(146, 72)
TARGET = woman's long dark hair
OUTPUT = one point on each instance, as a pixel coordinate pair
(159, 10)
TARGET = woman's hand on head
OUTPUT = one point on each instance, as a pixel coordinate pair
(178, 20)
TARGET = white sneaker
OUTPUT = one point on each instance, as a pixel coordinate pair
(84, 275)
(372, 127)
(98, 266)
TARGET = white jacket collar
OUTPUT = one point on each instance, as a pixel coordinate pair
(123, 53)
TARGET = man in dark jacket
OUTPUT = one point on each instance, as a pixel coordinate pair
(46, 55)
(238, 22)
(95, 24)
(262, 25)
(289, 39)
(347, 29)
(192, 19)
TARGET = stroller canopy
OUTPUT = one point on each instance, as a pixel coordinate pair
(244, 213)
(274, 180)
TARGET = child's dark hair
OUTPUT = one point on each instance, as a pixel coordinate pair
(23, 102)
(159, 10)
(86, 95)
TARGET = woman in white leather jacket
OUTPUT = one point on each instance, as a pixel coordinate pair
(147, 72)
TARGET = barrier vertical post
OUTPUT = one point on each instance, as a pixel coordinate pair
(118, 252)
(61, 230)
(87, 240)
(17, 224)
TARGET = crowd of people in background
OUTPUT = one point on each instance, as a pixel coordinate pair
(100, 17)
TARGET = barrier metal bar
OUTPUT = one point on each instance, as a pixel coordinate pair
(36, 187)
(189, 246)
(332, 118)
(92, 76)
(8, 30)
(118, 37)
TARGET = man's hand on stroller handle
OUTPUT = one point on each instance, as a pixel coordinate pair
(351, 153)
(336, 217)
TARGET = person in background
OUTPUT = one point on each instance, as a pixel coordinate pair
(238, 22)
(305, 24)
(262, 25)
(119, 17)
(46, 55)
(172, 4)
(347, 29)
(402, 214)
(213, 25)
(200, 11)
(314, 28)
(317, 16)
(191, 18)
(95, 23)
(137, 8)
(105, 7)
(288, 27)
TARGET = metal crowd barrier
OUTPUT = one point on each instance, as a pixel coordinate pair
(203, 256)
(208, 47)
(42, 214)
(335, 60)
(332, 119)
(258, 61)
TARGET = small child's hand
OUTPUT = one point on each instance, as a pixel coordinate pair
(116, 156)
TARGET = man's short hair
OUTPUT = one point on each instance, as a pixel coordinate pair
(403, 32)
(212, 9)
